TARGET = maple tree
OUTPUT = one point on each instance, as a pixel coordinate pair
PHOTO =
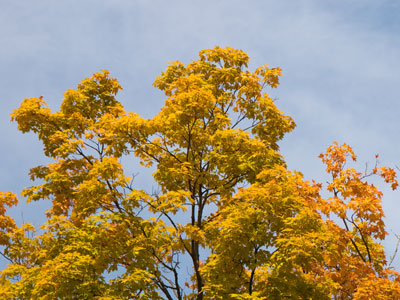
(229, 220)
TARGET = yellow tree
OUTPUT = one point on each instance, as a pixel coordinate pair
(229, 221)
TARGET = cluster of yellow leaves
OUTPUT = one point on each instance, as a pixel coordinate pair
(227, 210)
(69, 261)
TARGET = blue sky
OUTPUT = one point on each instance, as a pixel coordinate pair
(340, 62)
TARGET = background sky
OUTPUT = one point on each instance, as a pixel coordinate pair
(340, 61)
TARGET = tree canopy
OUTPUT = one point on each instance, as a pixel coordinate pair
(228, 220)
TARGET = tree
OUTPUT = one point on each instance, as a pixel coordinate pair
(229, 220)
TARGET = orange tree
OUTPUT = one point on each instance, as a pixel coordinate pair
(229, 220)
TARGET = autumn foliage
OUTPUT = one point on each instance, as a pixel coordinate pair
(227, 220)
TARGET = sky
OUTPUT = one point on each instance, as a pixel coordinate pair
(340, 61)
